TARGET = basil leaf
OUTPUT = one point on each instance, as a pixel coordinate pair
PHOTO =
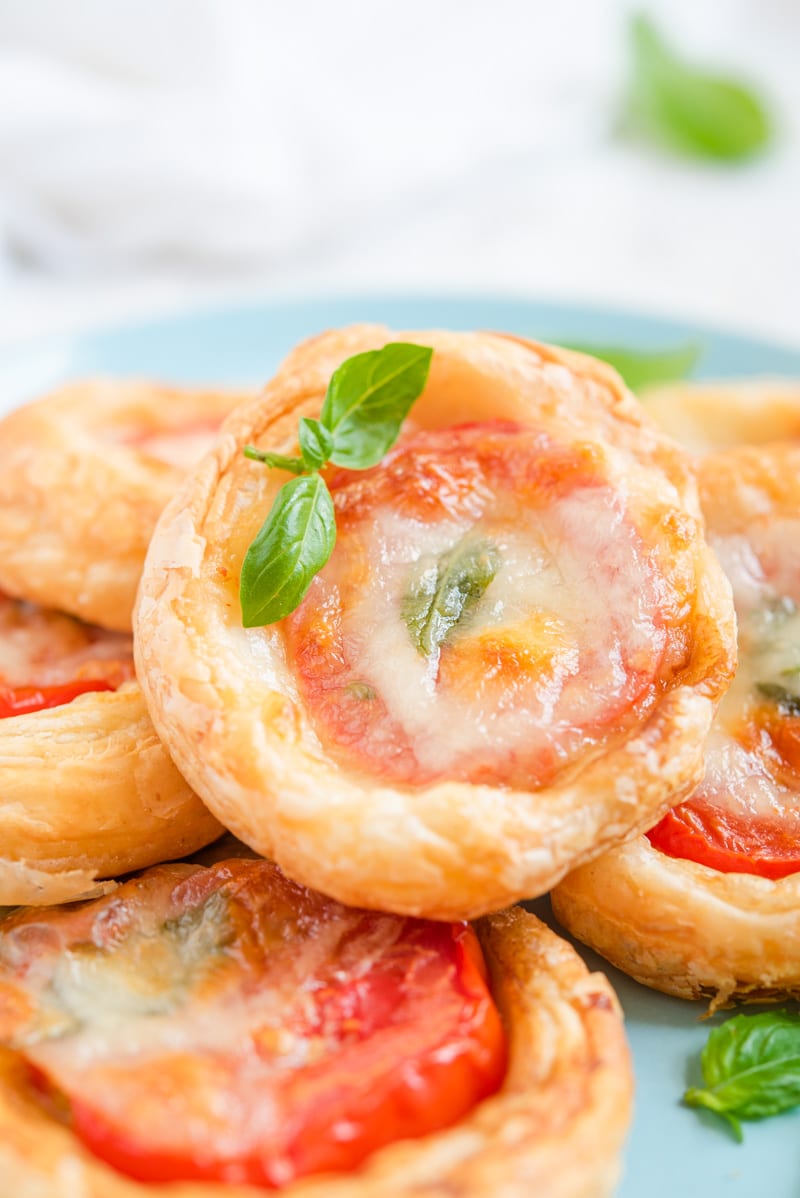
(444, 592)
(278, 460)
(316, 443)
(781, 696)
(751, 1066)
(640, 368)
(693, 111)
(368, 399)
(293, 544)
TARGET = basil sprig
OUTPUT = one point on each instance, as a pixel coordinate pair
(693, 111)
(642, 368)
(367, 400)
(751, 1067)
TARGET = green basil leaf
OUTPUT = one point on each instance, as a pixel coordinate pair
(641, 368)
(316, 443)
(751, 1067)
(278, 460)
(293, 544)
(691, 110)
(445, 590)
(368, 399)
(781, 696)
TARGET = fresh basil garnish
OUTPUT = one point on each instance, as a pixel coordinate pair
(444, 591)
(292, 546)
(316, 443)
(642, 368)
(367, 400)
(751, 1067)
(781, 696)
(693, 111)
(277, 460)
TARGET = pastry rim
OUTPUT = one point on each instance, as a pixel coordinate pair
(76, 510)
(96, 765)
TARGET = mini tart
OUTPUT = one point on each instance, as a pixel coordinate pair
(556, 1126)
(677, 924)
(229, 701)
(711, 416)
(87, 790)
(84, 474)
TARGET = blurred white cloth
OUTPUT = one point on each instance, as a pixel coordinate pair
(441, 144)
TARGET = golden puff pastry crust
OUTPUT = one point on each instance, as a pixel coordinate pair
(84, 474)
(680, 925)
(556, 1127)
(88, 791)
(683, 928)
(718, 415)
(228, 703)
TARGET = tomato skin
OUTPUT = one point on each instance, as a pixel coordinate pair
(23, 700)
(310, 1034)
(726, 842)
(333, 1126)
(515, 486)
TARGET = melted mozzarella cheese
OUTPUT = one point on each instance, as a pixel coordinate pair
(740, 774)
(577, 562)
(182, 447)
(45, 648)
(741, 782)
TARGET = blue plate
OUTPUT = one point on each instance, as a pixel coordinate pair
(672, 1150)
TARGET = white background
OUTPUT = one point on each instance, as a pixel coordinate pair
(166, 153)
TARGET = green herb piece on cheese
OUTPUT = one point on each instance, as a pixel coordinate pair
(444, 591)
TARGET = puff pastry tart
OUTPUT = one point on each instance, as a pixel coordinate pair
(222, 1028)
(86, 788)
(719, 415)
(708, 903)
(446, 776)
(84, 473)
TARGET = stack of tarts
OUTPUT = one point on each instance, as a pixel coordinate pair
(218, 1024)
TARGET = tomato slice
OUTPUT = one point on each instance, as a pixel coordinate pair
(453, 634)
(727, 841)
(22, 700)
(224, 1024)
(719, 826)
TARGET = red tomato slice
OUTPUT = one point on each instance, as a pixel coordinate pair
(727, 841)
(726, 835)
(566, 649)
(235, 1027)
(22, 700)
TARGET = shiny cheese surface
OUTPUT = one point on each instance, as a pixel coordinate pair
(44, 648)
(224, 1023)
(567, 644)
(747, 809)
